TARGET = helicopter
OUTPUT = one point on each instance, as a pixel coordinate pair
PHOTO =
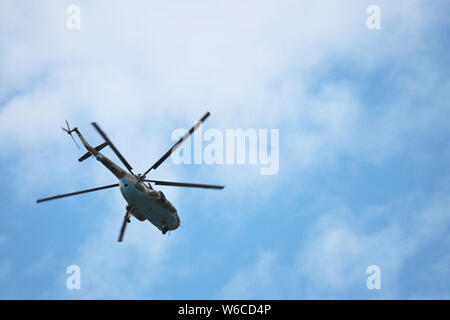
(143, 202)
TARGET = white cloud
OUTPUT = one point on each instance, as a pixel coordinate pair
(255, 282)
(41, 264)
(259, 59)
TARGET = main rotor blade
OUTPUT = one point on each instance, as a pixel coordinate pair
(76, 193)
(124, 226)
(179, 142)
(184, 184)
(118, 154)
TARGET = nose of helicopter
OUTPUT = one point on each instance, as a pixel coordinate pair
(126, 188)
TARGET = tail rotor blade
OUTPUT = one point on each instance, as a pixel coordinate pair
(74, 141)
(69, 132)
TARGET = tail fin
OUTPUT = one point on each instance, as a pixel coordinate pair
(88, 154)
(69, 132)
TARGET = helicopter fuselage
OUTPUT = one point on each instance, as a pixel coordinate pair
(149, 204)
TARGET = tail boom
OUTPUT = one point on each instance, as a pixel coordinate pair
(109, 164)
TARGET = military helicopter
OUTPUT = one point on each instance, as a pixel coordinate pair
(143, 202)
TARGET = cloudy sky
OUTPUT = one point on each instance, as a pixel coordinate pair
(364, 127)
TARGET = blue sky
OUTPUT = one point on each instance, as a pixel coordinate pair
(364, 125)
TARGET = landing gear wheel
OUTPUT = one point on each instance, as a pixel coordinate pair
(164, 230)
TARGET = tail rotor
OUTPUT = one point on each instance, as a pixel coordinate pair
(69, 132)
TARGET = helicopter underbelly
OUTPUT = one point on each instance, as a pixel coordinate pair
(147, 207)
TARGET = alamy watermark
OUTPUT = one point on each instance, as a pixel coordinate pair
(374, 280)
(74, 280)
(374, 20)
(74, 17)
(236, 146)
